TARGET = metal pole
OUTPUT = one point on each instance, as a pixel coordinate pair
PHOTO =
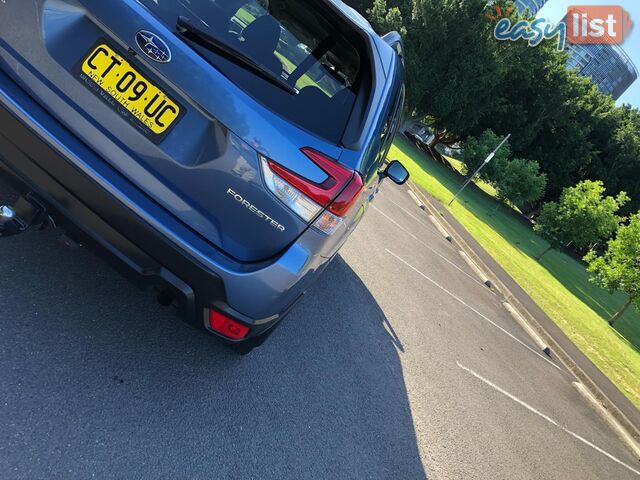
(486, 162)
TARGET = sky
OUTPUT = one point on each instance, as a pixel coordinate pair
(554, 10)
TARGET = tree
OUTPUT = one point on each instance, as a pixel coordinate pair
(360, 5)
(549, 227)
(618, 139)
(476, 150)
(453, 82)
(528, 92)
(454, 90)
(619, 268)
(521, 183)
(583, 216)
(462, 81)
(560, 141)
(386, 19)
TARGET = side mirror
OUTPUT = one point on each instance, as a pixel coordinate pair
(396, 172)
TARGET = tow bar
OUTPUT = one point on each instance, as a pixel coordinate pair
(27, 212)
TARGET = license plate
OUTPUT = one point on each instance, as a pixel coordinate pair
(129, 92)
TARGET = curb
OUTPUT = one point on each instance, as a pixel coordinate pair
(440, 228)
(415, 198)
(626, 430)
(435, 222)
(475, 268)
(527, 328)
(604, 414)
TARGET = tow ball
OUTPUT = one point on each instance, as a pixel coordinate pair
(27, 212)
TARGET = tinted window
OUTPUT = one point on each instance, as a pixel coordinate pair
(302, 43)
(392, 125)
(389, 131)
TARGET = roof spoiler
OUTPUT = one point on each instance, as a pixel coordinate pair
(394, 40)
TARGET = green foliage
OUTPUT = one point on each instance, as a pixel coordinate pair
(559, 133)
(619, 163)
(550, 112)
(465, 82)
(619, 268)
(583, 216)
(521, 183)
(452, 62)
(360, 5)
(476, 150)
(517, 181)
(560, 285)
(471, 83)
(548, 224)
(454, 94)
(386, 19)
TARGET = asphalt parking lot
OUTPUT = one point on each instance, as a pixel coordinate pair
(398, 364)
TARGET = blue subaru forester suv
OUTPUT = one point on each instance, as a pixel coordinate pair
(220, 150)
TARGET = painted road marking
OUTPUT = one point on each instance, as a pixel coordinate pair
(481, 315)
(419, 220)
(430, 248)
(622, 432)
(547, 418)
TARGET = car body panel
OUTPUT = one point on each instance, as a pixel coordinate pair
(201, 158)
(259, 291)
(95, 170)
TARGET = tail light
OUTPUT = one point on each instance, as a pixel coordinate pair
(226, 326)
(336, 194)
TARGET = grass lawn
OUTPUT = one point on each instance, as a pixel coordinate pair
(305, 80)
(245, 16)
(460, 167)
(558, 284)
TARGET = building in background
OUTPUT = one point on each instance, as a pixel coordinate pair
(533, 5)
(609, 67)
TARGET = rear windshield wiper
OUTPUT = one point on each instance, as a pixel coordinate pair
(188, 30)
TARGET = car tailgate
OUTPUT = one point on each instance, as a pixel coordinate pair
(205, 167)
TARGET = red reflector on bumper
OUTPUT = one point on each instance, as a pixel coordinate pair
(227, 327)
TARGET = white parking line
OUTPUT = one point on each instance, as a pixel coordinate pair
(419, 220)
(432, 250)
(547, 418)
(481, 315)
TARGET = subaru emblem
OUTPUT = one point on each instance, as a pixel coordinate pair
(153, 46)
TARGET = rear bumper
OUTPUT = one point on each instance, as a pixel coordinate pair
(85, 195)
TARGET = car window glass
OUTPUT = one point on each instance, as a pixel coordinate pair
(296, 41)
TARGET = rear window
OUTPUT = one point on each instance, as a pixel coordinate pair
(300, 42)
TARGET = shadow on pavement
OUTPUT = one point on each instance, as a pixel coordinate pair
(97, 378)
